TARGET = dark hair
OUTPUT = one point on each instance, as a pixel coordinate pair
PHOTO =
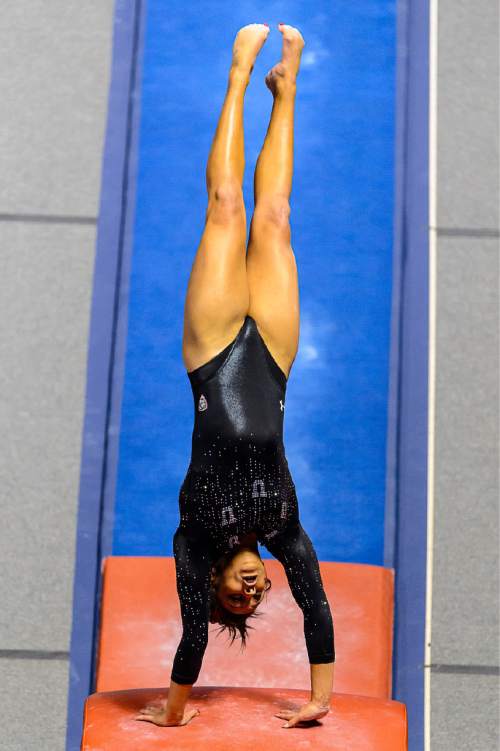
(232, 622)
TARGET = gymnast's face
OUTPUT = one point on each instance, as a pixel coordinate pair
(242, 583)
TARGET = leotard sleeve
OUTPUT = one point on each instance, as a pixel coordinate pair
(295, 551)
(192, 566)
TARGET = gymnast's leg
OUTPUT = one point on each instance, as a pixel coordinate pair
(272, 272)
(271, 266)
(217, 296)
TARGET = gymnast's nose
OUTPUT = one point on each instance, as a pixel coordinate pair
(250, 585)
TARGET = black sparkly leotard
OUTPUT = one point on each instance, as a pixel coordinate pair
(238, 481)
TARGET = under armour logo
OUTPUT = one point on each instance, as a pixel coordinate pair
(282, 405)
(271, 534)
(202, 404)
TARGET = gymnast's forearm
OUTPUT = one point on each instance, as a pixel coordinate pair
(318, 629)
(186, 667)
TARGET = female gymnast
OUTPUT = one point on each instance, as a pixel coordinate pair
(241, 332)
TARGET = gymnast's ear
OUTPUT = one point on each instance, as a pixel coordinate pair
(214, 582)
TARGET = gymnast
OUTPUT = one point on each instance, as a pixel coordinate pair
(240, 338)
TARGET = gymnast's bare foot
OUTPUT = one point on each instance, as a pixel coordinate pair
(247, 45)
(282, 76)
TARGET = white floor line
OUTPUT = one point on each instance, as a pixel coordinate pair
(433, 101)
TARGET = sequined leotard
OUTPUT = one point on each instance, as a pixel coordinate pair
(238, 481)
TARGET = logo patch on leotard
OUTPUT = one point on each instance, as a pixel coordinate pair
(227, 516)
(202, 404)
(282, 405)
(258, 489)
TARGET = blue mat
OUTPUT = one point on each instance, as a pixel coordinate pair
(342, 215)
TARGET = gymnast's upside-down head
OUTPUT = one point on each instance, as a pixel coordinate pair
(238, 586)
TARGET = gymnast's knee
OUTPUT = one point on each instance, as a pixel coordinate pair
(272, 212)
(225, 202)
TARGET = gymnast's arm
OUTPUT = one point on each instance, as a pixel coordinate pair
(192, 564)
(294, 549)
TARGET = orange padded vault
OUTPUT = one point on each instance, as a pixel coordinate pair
(140, 628)
(242, 719)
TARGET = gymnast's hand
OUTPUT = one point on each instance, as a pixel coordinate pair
(306, 713)
(158, 715)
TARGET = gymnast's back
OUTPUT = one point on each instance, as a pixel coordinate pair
(238, 480)
(239, 395)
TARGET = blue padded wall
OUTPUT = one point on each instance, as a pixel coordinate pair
(342, 217)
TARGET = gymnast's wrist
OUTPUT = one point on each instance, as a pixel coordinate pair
(177, 697)
(321, 700)
(173, 716)
(321, 684)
